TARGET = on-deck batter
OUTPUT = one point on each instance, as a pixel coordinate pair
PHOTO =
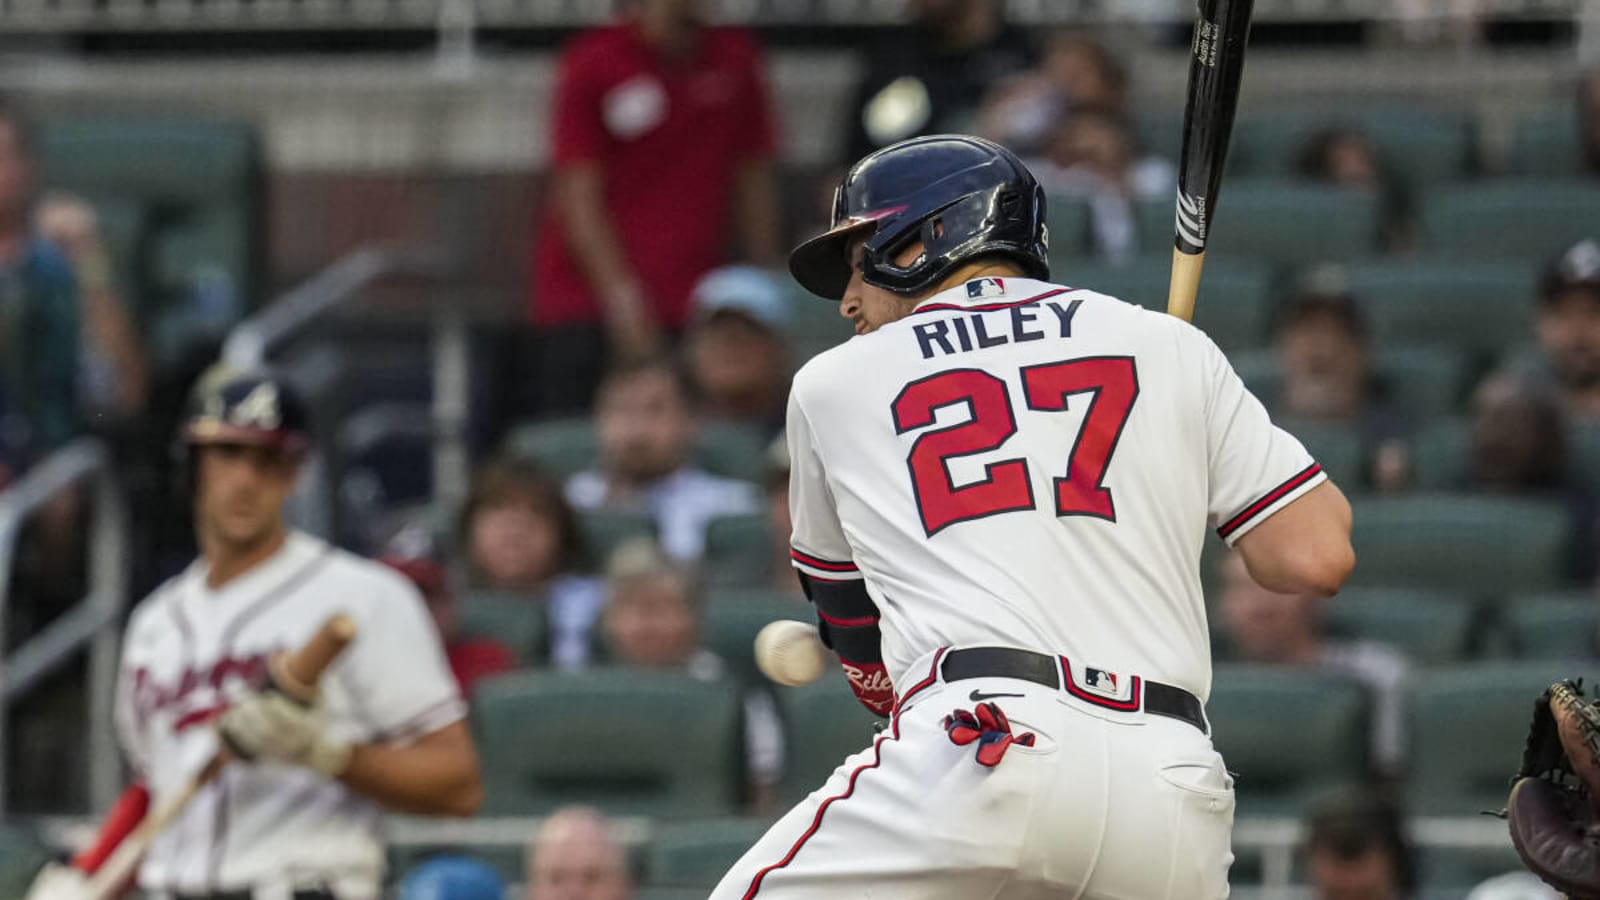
(298, 820)
(1000, 490)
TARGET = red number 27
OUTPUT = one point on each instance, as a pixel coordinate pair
(1113, 385)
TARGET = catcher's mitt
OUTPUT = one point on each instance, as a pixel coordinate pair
(1554, 808)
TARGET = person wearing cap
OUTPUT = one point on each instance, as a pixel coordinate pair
(737, 350)
(1567, 326)
(453, 877)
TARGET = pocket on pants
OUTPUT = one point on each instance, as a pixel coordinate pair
(1203, 825)
(1205, 778)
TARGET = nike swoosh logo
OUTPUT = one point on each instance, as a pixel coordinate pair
(979, 696)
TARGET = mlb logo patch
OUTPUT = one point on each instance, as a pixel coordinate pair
(1107, 684)
(986, 287)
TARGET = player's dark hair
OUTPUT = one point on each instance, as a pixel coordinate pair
(1353, 822)
(14, 115)
(1107, 62)
(512, 481)
(1341, 307)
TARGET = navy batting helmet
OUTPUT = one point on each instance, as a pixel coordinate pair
(962, 197)
(232, 407)
(452, 878)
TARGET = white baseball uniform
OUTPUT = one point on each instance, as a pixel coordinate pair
(263, 827)
(1021, 465)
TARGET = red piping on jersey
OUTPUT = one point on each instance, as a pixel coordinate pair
(862, 622)
(990, 307)
(827, 565)
(1129, 705)
(1276, 494)
(850, 786)
(199, 716)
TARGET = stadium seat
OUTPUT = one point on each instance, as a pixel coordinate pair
(1279, 222)
(1481, 306)
(517, 620)
(816, 326)
(21, 857)
(565, 446)
(629, 741)
(1423, 381)
(824, 725)
(1467, 728)
(1419, 144)
(1454, 871)
(1233, 305)
(739, 549)
(698, 854)
(1555, 625)
(604, 530)
(1439, 454)
(1545, 143)
(1430, 627)
(732, 618)
(1478, 545)
(1337, 447)
(1509, 218)
(1288, 733)
(1069, 220)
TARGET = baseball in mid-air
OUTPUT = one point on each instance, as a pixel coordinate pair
(790, 652)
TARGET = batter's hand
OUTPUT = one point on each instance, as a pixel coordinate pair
(271, 725)
(59, 882)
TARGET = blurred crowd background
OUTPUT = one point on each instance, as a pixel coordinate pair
(524, 256)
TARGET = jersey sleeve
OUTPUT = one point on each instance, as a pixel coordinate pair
(398, 668)
(125, 713)
(1255, 467)
(817, 546)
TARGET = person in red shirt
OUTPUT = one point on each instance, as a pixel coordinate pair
(662, 140)
(471, 659)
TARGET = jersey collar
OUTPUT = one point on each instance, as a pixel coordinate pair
(989, 292)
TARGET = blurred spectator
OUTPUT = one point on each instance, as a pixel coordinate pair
(576, 855)
(930, 77)
(1323, 350)
(452, 878)
(1075, 72)
(662, 128)
(737, 347)
(1568, 327)
(653, 619)
(519, 534)
(1091, 156)
(1260, 626)
(647, 432)
(1589, 120)
(1514, 886)
(471, 659)
(1356, 849)
(1347, 158)
(1519, 446)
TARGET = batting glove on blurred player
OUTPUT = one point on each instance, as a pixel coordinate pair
(59, 882)
(284, 723)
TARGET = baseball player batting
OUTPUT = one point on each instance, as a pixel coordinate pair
(295, 814)
(1000, 489)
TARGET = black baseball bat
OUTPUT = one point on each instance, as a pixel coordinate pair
(1221, 31)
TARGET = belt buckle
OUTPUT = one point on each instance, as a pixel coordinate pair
(1103, 687)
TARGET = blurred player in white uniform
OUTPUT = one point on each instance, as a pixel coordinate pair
(295, 816)
(1000, 491)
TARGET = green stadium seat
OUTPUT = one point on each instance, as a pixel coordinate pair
(1279, 222)
(519, 621)
(1288, 733)
(565, 446)
(698, 854)
(1430, 627)
(732, 618)
(1481, 306)
(825, 725)
(739, 549)
(816, 326)
(1454, 871)
(1338, 448)
(1467, 728)
(1233, 306)
(1423, 381)
(1510, 218)
(1420, 145)
(1439, 455)
(604, 530)
(21, 857)
(629, 741)
(1070, 222)
(1554, 625)
(1545, 143)
(1479, 545)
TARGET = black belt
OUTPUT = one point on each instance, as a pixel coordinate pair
(1006, 662)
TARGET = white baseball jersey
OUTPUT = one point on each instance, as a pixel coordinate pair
(1025, 464)
(188, 649)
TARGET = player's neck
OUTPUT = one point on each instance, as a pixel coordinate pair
(976, 269)
(226, 561)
